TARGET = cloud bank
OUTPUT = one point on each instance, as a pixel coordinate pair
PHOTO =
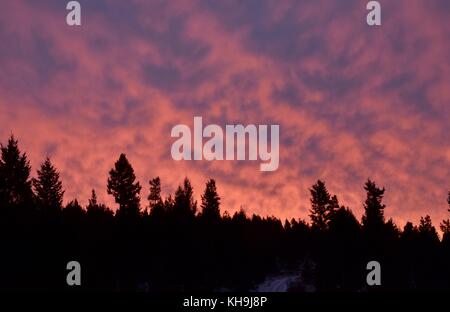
(352, 102)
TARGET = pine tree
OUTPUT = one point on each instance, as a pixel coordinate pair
(287, 226)
(410, 232)
(210, 202)
(184, 204)
(189, 196)
(155, 200)
(48, 187)
(73, 212)
(322, 206)
(169, 204)
(122, 185)
(344, 224)
(94, 208)
(445, 225)
(448, 201)
(391, 229)
(332, 208)
(93, 200)
(15, 182)
(427, 231)
(97, 211)
(373, 218)
(240, 217)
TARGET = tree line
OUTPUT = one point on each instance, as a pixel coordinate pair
(177, 244)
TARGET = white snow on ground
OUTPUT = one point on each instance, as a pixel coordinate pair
(283, 281)
(276, 284)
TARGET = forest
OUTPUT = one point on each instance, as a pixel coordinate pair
(152, 244)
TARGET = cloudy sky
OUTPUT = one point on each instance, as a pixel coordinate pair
(352, 102)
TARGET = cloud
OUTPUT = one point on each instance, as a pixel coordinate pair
(352, 102)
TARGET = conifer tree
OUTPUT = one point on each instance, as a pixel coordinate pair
(210, 201)
(15, 182)
(184, 203)
(344, 224)
(427, 231)
(322, 206)
(169, 204)
(410, 232)
(445, 225)
(155, 200)
(373, 218)
(448, 201)
(92, 202)
(48, 187)
(95, 209)
(123, 186)
(73, 211)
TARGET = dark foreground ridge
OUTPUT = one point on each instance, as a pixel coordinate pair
(174, 244)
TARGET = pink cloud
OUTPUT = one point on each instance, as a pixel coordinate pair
(351, 102)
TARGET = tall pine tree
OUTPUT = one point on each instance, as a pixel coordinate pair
(15, 182)
(48, 187)
(322, 206)
(445, 225)
(154, 198)
(184, 205)
(92, 202)
(373, 218)
(210, 202)
(448, 201)
(123, 186)
(427, 231)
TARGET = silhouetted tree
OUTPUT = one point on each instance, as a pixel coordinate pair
(95, 209)
(322, 205)
(344, 224)
(189, 196)
(373, 218)
(391, 229)
(169, 204)
(48, 187)
(184, 205)
(210, 202)
(333, 206)
(409, 237)
(448, 201)
(427, 231)
(226, 216)
(15, 183)
(445, 228)
(445, 225)
(155, 200)
(408, 255)
(287, 225)
(123, 186)
(74, 212)
(240, 216)
(427, 267)
(410, 232)
(92, 202)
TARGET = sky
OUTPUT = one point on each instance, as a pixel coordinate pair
(353, 102)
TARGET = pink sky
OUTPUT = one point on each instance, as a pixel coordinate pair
(352, 102)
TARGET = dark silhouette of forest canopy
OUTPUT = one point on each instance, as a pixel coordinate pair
(174, 243)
